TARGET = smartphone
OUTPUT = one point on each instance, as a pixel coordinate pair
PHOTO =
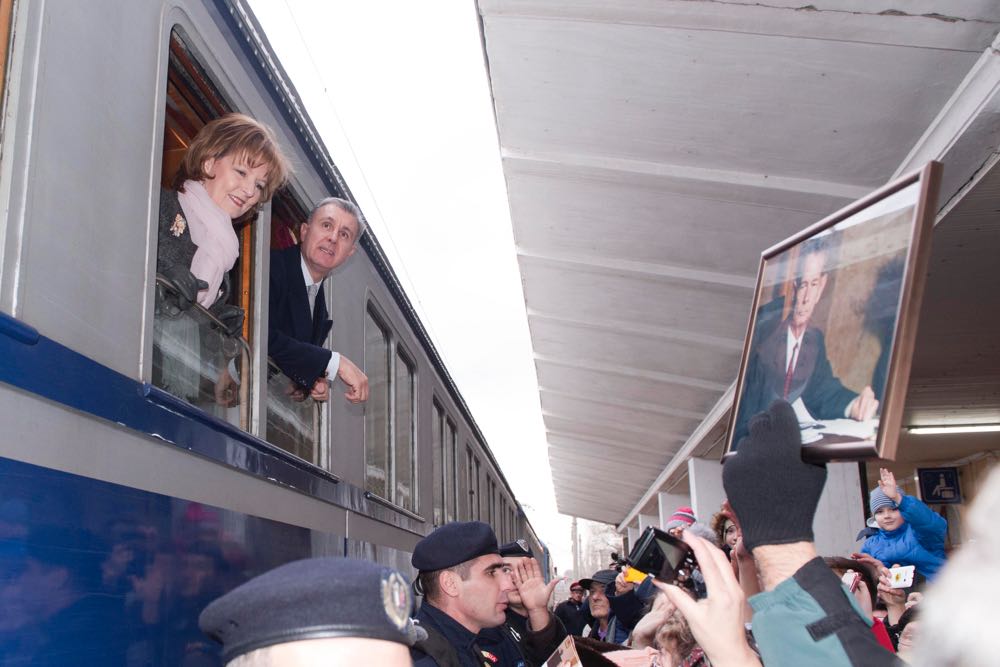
(901, 577)
(662, 555)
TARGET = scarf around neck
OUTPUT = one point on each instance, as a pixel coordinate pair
(212, 232)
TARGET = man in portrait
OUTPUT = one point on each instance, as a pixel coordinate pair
(789, 361)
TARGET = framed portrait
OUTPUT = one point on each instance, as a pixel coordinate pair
(833, 323)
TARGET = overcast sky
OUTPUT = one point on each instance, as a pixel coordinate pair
(398, 90)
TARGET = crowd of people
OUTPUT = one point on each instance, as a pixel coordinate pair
(760, 594)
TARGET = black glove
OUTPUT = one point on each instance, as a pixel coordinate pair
(773, 492)
(187, 285)
(231, 317)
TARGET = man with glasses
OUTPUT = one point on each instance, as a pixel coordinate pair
(573, 612)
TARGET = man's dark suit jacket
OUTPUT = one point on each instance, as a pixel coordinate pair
(294, 340)
(812, 380)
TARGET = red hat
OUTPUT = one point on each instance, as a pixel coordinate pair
(682, 514)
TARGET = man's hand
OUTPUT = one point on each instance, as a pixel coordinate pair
(295, 392)
(535, 593)
(356, 381)
(887, 482)
(717, 621)
(864, 406)
(226, 389)
(321, 390)
(622, 586)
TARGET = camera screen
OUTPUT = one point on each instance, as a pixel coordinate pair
(673, 554)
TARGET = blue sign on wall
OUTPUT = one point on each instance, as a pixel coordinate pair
(939, 486)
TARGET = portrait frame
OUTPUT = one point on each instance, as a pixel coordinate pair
(875, 251)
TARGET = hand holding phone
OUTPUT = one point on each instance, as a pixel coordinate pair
(901, 577)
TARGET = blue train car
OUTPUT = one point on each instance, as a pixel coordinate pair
(125, 503)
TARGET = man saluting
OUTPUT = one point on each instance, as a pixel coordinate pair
(465, 585)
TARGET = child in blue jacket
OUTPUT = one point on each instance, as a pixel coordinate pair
(910, 533)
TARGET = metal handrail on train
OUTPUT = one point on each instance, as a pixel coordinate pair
(169, 284)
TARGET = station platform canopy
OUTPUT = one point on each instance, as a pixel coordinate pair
(653, 150)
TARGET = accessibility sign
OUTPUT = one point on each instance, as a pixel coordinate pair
(939, 486)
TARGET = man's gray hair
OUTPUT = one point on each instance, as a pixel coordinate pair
(345, 206)
(815, 246)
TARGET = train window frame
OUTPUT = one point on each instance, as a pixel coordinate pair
(193, 71)
(470, 491)
(394, 348)
(6, 32)
(444, 464)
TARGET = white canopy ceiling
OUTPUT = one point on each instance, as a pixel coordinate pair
(653, 149)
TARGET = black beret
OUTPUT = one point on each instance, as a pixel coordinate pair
(312, 599)
(454, 543)
(516, 549)
(605, 577)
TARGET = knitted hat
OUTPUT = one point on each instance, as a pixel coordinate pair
(877, 500)
(682, 517)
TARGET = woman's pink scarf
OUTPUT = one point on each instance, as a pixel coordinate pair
(212, 231)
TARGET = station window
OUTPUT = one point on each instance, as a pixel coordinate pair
(390, 443)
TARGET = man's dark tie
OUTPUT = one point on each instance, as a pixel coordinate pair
(790, 371)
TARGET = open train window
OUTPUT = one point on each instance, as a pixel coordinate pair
(390, 444)
(194, 358)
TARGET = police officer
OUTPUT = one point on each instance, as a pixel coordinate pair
(511, 639)
(466, 588)
(331, 611)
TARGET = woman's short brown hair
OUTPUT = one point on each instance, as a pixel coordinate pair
(240, 135)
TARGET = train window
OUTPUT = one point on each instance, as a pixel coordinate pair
(444, 466)
(490, 500)
(451, 471)
(404, 454)
(437, 465)
(6, 18)
(193, 356)
(470, 484)
(377, 427)
(390, 442)
(479, 492)
(502, 523)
